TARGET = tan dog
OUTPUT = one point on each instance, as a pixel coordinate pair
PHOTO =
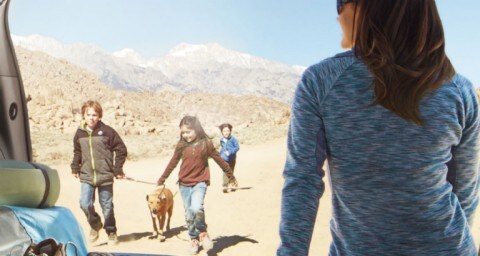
(160, 202)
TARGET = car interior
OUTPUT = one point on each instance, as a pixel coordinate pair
(28, 190)
(15, 143)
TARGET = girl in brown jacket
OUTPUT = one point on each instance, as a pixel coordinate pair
(194, 149)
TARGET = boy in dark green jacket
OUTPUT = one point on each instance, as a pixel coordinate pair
(98, 156)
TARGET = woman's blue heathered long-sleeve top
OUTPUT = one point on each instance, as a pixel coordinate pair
(388, 176)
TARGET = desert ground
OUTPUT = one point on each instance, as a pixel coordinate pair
(244, 222)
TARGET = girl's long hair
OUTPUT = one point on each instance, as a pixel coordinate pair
(403, 44)
(193, 123)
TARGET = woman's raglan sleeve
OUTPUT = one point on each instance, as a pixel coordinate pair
(465, 161)
(303, 171)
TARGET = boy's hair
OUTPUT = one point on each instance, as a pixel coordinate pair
(93, 104)
(225, 125)
(193, 123)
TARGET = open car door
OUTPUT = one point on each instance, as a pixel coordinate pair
(15, 143)
(27, 212)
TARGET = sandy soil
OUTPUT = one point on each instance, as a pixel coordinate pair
(244, 222)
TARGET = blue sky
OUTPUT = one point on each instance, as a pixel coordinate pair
(294, 32)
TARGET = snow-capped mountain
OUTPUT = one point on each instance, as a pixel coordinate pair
(186, 67)
(131, 56)
(118, 72)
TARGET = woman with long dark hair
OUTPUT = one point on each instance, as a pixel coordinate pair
(399, 129)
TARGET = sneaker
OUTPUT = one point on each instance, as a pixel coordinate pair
(93, 235)
(112, 239)
(207, 243)
(193, 247)
(225, 189)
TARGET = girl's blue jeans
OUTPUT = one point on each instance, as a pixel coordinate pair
(105, 196)
(193, 203)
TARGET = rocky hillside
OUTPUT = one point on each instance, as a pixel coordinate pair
(148, 121)
(186, 68)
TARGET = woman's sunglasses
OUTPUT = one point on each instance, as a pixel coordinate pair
(341, 4)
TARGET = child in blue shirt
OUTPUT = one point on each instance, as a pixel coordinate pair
(228, 151)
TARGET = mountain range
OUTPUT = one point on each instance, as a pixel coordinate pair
(147, 120)
(187, 68)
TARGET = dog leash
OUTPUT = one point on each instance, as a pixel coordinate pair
(139, 181)
(149, 183)
(163, 185)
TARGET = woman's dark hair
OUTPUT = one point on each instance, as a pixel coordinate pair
(341, 3)
(225, 125)
(193, 123)
(403, 44)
